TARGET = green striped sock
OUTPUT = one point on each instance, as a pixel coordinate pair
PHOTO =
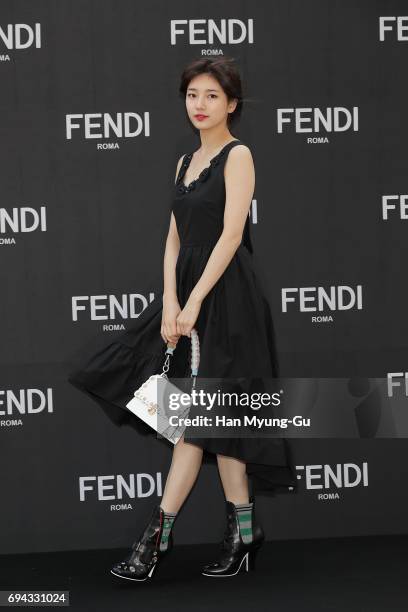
(168, 524)
(244, 512)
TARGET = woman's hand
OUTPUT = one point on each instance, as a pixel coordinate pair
(188, 316)
(171, 309)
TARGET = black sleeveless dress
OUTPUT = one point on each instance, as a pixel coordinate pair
(234, 326)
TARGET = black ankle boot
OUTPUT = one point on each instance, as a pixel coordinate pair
(145, 554)
(235, 553)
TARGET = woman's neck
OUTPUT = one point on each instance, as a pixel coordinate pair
(210, 144)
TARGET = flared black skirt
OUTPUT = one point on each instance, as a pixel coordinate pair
(237, 340)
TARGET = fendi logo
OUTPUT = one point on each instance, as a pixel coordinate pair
(312, 299)
(397, 383)
(398, 204)
(109, 307)
(21, 219)
(212, 32)
(90, 126)
(14, 403)
(396, 28)
(330, 479)
(308, 120)
(21, 35)
(118, 487)
(253, 211)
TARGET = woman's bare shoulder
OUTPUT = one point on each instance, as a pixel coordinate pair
(239, 156)
(240, 150)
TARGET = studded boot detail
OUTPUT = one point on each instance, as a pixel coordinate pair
(145, 554)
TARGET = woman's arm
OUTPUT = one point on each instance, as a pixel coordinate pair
(171, 253)
(171, 307)
(239, 188)
(170, 260)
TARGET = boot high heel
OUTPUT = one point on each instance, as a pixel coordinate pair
(236, 555)
(145, 553)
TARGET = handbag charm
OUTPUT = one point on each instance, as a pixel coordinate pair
(150, 401)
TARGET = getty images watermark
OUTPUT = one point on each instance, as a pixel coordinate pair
(219, 400)
(225, 408)
(356, 407)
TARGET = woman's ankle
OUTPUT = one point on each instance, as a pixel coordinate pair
(169, 508)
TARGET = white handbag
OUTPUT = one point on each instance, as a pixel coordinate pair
(150, 402)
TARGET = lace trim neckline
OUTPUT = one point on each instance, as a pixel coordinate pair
(182, 188)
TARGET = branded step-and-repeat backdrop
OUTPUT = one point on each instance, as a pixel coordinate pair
(91, 128)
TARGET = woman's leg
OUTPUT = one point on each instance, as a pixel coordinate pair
(234, 479)
(244, 535)
(184, 468)
(157, 535)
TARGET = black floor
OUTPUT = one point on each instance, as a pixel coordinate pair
(349, 574)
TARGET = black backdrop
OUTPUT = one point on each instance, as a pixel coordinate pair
(83, 220)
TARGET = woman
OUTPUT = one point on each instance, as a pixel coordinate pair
(209, 285)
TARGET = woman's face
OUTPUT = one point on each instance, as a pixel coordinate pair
(205, 96)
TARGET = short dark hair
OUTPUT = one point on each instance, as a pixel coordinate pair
(225, 71)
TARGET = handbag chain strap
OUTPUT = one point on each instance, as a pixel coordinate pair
(194, 357)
